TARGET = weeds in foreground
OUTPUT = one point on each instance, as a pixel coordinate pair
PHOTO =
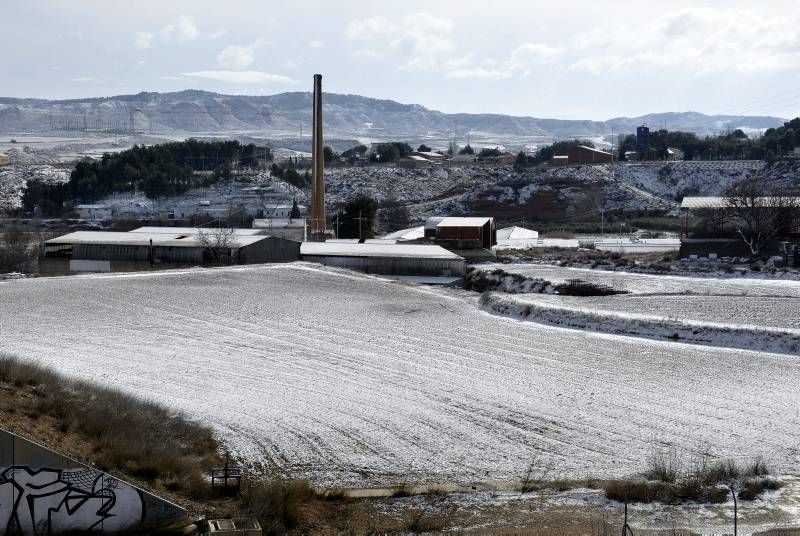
(127, 435)
(706, 481)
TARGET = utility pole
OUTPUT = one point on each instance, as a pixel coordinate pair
(602, 219)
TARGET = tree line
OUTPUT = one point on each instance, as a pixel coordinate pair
(157, 170)
(734, 145)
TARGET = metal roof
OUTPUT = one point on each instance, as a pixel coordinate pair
(341, 249)
(194, 230)
(407, 234)
(722, 202)
(516, 233)
(431, 223)
(463, 222)
(279, 223)
(593, 149)
(186, 240)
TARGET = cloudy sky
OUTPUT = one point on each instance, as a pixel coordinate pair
(577, 59)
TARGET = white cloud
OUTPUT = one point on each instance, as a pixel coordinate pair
(236, 57)
(183, 29)
(421, 39)
(315, 43)
(365, 29)
(519, 64)
(699, 40)
(242, 77)
(143, 40)
(367, 53)
(87, 80)
(219, 33)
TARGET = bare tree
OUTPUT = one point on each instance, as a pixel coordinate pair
(17, 250)
(760, 212)
(218, 244)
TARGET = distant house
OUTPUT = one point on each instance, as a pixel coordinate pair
(4, 160)
(673, 153)
(582, 154)
(94, 212)
(282, 211)
(560, 160)
(414, 162)
(463, 158)
(429, 155)
(290, 229)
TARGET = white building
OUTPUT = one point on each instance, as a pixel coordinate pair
(94, 212)
(517, 237)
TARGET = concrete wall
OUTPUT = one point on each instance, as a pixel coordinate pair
(43, 492)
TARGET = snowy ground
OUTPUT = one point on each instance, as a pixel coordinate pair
(351, 380)
(659, 284)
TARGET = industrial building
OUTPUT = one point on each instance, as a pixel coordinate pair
(387, 259)
(290, 229)
(457, 233)
(642, 138)
(161, 247)
(720, 239)
(582, 154)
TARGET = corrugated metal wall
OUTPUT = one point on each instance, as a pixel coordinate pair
(270, 249)
(395, 265)
(113, 252)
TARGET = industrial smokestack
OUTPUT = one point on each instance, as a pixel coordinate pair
(318, 223)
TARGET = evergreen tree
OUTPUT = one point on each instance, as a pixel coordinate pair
(358, 218)
(295, 213)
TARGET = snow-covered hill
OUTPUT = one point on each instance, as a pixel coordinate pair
(351, 115)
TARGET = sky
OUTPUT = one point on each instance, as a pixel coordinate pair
(569, 60)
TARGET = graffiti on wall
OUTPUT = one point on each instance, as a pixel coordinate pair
(51, 500)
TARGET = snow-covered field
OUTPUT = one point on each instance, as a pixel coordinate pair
(352, 380)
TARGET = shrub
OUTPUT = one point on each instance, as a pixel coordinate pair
(578, 287)
(276, 503)
(751, 489)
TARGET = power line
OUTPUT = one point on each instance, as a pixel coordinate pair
(744, 107)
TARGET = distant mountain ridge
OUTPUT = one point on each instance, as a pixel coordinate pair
(197, 111)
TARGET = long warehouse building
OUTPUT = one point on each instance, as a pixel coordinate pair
(143, 248)
(386, 259)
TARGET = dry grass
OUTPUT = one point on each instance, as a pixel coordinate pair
(126, 435)
(277, 504)
(705, 481)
